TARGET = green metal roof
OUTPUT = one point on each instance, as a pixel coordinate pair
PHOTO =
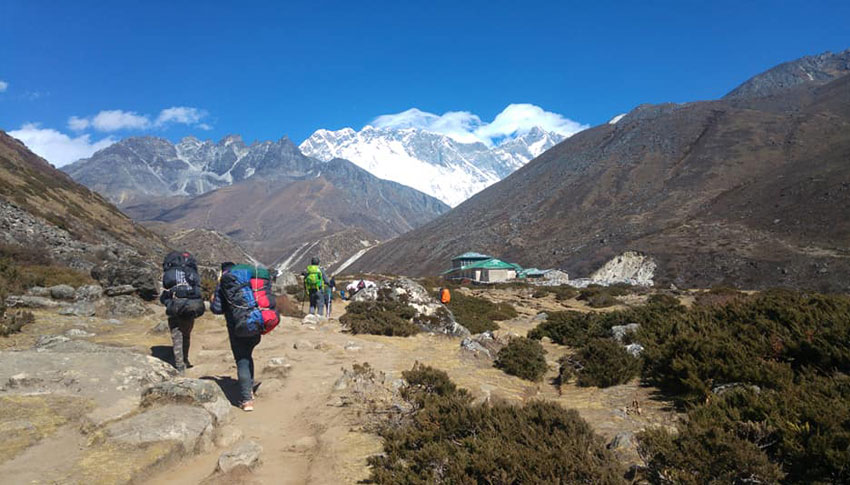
(472, 255)
(491, 263)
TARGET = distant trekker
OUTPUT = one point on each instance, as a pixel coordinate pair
(445, 296)
(245, 297)
(329, 295)
(181, 296)
(314, 285)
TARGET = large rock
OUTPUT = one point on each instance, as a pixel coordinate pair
(111, 378)
(431, 315)
(619, 332)
(27, 301)
(62, 292)
(123, 306)
(366, 294)
(130, 270)
(198, 392)
(191, 426)
(79, 309)
(120, 290)
(631, 267)
(88, 293)
(245, 454)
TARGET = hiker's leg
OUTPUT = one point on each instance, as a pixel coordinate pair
(175, 324)
(243, 353)
(187, 327)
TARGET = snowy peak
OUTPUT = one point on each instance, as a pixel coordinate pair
(433, 163)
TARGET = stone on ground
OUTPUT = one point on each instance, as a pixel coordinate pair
(191, 426)
(245, 454)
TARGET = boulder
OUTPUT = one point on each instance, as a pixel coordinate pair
(197, 392)
(77, 332)
(123, 306)
(129, 269)
(245, 454)
(431, 315)
(541, 316)
(161, 327)
(619, 331)
(311, 320)
(26, 301)
(484, 344)
(277, 367)
(366, 294)
(62, 292)
(79, 309)
(191, 426)
(39, 291)
(119, 290)
(88, 293)
(634, 349)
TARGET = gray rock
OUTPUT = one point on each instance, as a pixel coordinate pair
(26, 301)
(123, 306)
(119, 290)
(79, 309)
(198, 392)
(634, 349)
(191, 426)
(366, 294)
(623, 439)
(39, 291)
(76, 332)
(88, 293)
(311, 320)
(129, 269)
(114, 321)
(470, 345)
(725, 388)
(303, 345)
(619, 331)
(46, 341)
(244, 454)
(277, 367)
(161, 327)
(62, 292)
(352, 347)
(541, 316)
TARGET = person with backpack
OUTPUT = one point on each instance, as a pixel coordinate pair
(183, 302)
(244, 296)
(314, 285)
(329, 295)
(445, 296)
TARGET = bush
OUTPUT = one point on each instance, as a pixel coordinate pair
(449, 440)
(380, 318)
(718, 295)
(600, 363)
(479, 314)
(13, 322)
(297, 292)
(523, 358)
(599, 296)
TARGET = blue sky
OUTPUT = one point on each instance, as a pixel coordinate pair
(93, 72)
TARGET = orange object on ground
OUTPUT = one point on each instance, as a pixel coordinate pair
(445, 296)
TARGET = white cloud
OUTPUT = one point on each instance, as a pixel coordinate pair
(56, 147)
(467, 127)
(116, 119)
(78, 124)
(3, 86)
(180, 114)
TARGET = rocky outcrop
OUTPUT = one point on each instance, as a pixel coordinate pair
(631, 267)
(190, 426)
(199, 392)
(121, 269)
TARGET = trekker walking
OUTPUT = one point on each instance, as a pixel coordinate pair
(183, 302)
(243, 295)
(329, 295)
(445, 296)
(314, 285)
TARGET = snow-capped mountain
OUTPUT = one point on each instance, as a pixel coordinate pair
(435, 164)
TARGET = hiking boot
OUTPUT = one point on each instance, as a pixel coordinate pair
(248, 406)
(189, 364)
(255, 388)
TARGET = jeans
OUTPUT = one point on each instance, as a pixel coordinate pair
(181, 334)
(243, 348)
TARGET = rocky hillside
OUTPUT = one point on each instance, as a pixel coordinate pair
(809, 70)
(272, 218)
(209, 247)
(750, 191)
(435, 164)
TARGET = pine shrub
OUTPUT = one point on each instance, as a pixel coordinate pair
(599, 363)
(524, 358)
(388, 318)
(479, 314)
(448, 440)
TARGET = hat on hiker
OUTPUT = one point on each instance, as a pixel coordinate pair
(315, 260)
(227, 265)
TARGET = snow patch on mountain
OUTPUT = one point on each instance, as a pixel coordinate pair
(433, 163)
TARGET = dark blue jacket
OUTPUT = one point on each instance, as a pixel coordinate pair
(220, 306)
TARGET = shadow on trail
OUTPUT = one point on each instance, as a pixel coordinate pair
(164, 353)
(229, 386)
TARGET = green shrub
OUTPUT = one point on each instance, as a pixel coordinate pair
(448, 440)
(718, 295)
(380, 318)
(297, 292)
(523, 358)
(479, 314)
(600, 363)
(599, 296)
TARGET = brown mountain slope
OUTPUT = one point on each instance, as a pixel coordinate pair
(748, 192)
(272, 218)
(34, 186)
